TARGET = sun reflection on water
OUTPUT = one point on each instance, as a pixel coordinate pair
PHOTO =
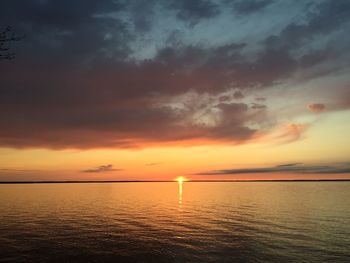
(180, 180)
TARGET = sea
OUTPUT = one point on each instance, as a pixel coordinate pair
(173, 222)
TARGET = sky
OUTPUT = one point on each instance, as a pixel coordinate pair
(155, 89)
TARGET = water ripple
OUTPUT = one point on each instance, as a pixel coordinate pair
(145, 222)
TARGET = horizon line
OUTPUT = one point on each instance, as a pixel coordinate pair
(170, 181)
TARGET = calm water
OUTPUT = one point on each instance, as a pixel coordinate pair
(155, 222)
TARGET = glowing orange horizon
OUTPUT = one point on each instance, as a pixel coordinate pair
(320, 146)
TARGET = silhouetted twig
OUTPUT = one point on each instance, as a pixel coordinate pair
(6, 37)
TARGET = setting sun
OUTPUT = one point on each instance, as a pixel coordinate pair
(181, 179)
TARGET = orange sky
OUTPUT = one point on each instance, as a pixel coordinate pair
(325, 143)
(148, 90)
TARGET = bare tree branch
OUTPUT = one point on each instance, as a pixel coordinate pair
(6, 37)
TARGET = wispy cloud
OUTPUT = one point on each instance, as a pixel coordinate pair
(287, 133)
(18, 170)
(342, 168)
(152, 164)
(102, 169)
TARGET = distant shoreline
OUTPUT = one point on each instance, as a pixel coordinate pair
(172, 181)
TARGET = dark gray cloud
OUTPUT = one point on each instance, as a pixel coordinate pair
(257, 106)
(195, 10)
(141, 14)
(238, 95)
(80, 79)
(117, 106)
(289, 164)
(286, 168)
(322, 18)
(102, 169)
(62, 32)
(50, 14)
(246, 7)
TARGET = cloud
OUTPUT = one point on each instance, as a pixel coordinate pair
(316, 107)
(289, 164)
(260, 99)
(238, 95)
(320, 21)
(291, 132)
(102, 169)
(245, 7)
(111, 115)
(97, 74)
(195, 10)
(286, 133)
(257, 106)
(224, 98)
(19, 170)
(298, 168)
(152, 164)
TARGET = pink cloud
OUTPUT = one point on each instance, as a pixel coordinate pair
(316, 107)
